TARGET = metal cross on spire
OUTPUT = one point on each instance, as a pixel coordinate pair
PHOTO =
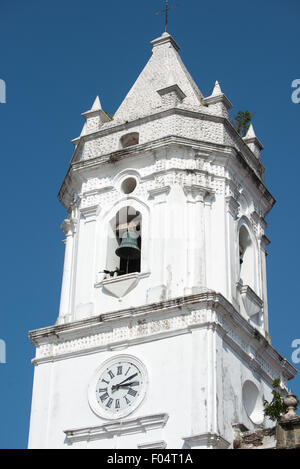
(166, 11)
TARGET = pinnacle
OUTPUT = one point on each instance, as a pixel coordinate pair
(250, 133)
(97, 104)
(217, 89)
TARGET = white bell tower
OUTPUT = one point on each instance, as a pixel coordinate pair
(162, 335)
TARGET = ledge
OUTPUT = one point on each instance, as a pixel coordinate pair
(206, 440)
(121, 427)
(121, 285)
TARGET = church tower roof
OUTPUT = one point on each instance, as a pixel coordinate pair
(164, 69)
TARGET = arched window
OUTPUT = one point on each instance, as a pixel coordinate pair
(129, 139)
(124, 243)
(247, 258)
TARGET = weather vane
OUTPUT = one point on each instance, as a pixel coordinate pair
(166, 11)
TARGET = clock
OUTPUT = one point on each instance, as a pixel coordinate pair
(118, 387)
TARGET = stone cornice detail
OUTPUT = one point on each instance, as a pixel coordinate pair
(167, 112)
(233, 206)
(69, 226)
(117, 330)
(65, 194)
(195, 192)
(121, 427)
(164, 113)
(206, 439)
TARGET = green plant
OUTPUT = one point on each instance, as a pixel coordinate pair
(242, 121)
(276, 408)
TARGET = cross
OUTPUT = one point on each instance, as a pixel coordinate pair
(166, 11)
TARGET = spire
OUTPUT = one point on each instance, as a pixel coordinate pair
(164, 69)
(250, 133)
(217, 89)
(217, 102)
(95, 118)
(97, 105)
(252, 141)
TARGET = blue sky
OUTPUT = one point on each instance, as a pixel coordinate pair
(55, 57)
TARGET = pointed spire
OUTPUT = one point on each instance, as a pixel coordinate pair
(164, 69)
(250, 133)
(217, 89)
(95, 118)
(252, 141)
(97, 105)
(218, 102)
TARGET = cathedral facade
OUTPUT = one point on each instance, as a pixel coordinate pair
(162, 335)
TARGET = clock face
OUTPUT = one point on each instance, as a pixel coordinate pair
(118, 387)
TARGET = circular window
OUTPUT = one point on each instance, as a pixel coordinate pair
(128, 185)
(253, 403)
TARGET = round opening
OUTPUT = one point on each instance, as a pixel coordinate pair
(253, 403)
(128, 185)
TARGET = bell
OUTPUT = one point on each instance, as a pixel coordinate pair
(128, 248)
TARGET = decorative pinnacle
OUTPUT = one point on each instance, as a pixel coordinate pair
(250, 133)
(291, 402)
(97, 104)
(217, 89)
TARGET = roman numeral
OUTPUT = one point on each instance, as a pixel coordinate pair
(127, 401)
(127, 370)
(119, 372)
(104, 396)
(111, 374)
(105, 381)
(104, 389)
(109, 402)
(117, 404)
(132, 392)
(135, 383)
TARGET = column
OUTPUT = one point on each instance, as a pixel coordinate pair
(68, 227)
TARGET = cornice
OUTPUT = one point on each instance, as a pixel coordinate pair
(165, 113)
(121, 427)
(65, 193)
(206, 439)
(158, 321)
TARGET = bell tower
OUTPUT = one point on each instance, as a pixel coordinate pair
(162, 335)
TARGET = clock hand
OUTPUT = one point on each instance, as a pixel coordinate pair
(116, 386)
(126, 384)
(129, 377)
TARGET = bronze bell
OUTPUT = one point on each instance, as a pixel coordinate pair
(128, 248)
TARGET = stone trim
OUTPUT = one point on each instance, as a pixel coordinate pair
(153, 445)
(118, 329)
(119, 428)
(206, 439)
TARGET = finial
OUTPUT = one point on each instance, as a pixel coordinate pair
(166, 11)
(97, 105)
(291, 402)
(217, 89)
(250, 133)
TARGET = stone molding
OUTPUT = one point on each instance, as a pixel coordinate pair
(206, 440)
(119, 329)
(119, 428)
(153, 445)
(198, 147)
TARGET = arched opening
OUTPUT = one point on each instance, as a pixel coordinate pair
(124, 243)
(129, 139)
(247, 258)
